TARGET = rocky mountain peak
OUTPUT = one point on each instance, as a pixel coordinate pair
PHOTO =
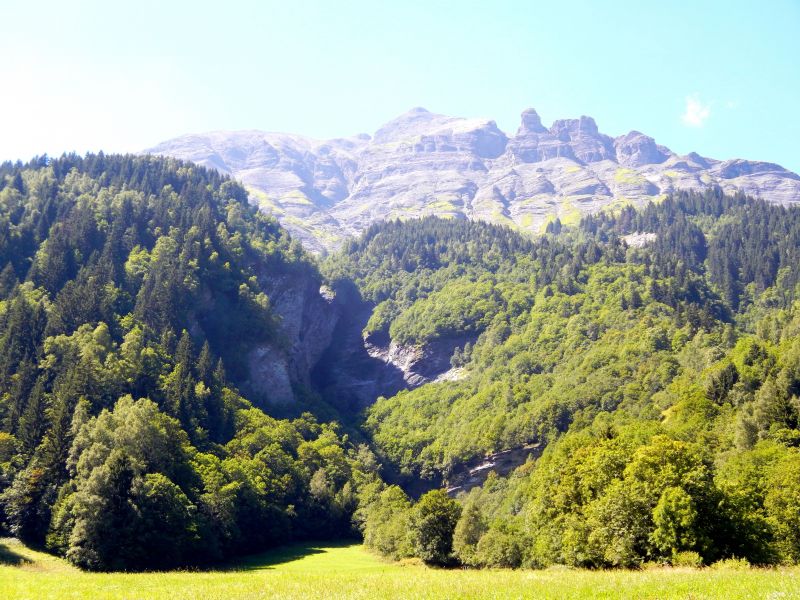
(635, 149)
(567, 129)
(426, 163)
(698, 160)
(409, 124)
(586, 143)
(531, 122)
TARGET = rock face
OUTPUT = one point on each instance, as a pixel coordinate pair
(475, 473)
(308, 316)
(354, 371)
(319, 347)
(636, 149)
(419, 364)
(424, 163)
(348, 375)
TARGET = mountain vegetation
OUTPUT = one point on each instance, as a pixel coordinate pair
(130, 294)
(653, 353)
(662, 380)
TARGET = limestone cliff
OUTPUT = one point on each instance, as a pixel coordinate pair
(424, 163)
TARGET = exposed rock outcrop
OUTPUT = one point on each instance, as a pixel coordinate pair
(421, 363)
(307, 316)
(475, 473)
(354, 371)
(636, 149)
(347, 375)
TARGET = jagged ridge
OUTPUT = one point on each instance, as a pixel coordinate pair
(425, 163)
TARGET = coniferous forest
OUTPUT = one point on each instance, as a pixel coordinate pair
(130, 292)
(652, 354)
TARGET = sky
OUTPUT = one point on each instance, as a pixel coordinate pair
(718, 78)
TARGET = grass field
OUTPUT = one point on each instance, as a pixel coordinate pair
(349, 571)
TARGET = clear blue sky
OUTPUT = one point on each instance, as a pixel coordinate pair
(720, 78)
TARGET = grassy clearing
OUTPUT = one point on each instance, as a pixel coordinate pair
(348, 571)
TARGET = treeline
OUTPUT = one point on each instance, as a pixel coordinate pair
(663, 380)
(744, 246)
(131, 289)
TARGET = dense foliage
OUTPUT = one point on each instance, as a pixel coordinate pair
(662, 376)
(654, 354)
(131, 290)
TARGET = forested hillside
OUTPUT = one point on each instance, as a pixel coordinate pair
(132, 289)
(661, 376)
(150, 321)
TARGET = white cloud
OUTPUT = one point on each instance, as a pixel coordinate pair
(696, 113)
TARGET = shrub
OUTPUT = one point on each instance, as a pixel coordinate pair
(686, 558)
(731, 564)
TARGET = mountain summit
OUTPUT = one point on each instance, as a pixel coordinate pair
(423, 163)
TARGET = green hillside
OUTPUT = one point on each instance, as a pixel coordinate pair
(661, 379)
(160, 405)
(132, 288)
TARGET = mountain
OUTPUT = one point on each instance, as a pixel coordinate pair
(423, 163)
(631, 382)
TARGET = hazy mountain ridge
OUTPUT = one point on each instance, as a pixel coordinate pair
(425, 163)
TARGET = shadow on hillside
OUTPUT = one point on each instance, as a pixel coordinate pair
(278, 556)
(9, 557)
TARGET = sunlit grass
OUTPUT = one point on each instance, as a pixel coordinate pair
(349, 571)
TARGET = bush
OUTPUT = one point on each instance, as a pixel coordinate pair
(687, 558)
(731, 564)
(499, 548)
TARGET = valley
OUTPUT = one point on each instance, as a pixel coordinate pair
(266, 332)
(601, 395)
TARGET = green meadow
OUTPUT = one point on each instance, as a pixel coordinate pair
(350, 571)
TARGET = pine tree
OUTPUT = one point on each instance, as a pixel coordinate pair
(33, 422)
